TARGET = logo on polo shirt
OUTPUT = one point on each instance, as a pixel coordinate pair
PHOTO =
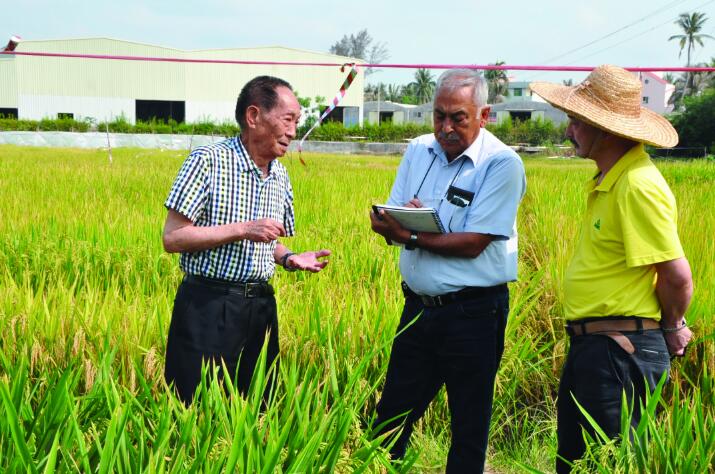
(597, 224)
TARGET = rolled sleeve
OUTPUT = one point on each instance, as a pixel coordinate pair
(650, 227)
(189, 193)
(495, 206)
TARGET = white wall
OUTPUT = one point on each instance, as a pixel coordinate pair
(37, 107)
(658, 92)
(211, 110)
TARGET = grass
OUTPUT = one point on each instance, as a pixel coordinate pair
(85, 301)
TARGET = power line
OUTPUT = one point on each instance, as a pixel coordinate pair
(659, 10)
(637, 35)
(629, 38)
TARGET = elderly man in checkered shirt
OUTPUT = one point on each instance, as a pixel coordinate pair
(226, 210)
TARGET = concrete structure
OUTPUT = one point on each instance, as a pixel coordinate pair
(518, 91)
(526, 110)
(396, 113)
(656, 92)
(399, 113)
(45, 87)
(99, 140)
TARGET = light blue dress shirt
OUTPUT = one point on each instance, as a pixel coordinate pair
(495, 174)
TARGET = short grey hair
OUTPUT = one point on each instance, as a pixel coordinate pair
(453, 79)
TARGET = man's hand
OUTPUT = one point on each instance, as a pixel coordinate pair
(678, 341)
(262, 230)
(414, 202)
(388, 227)
(308, 261)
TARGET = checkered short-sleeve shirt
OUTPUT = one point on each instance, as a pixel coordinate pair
(220, 184)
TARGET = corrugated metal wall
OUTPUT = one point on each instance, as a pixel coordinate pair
(108, 88)
(8, 83)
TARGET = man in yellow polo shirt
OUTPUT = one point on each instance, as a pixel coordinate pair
(629, 284)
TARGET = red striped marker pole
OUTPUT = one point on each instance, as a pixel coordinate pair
(338, 97)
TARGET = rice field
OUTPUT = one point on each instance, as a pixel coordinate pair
(86, 293)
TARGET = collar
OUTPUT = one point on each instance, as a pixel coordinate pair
(245, 162)
(631, 156)
(472, 152)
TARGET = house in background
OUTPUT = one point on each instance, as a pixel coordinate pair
(387, 111)
(518, 90)
(656, 92)
(34, 87)
(526, 109)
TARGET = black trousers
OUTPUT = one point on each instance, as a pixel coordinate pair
(214, 323)
(597, 372)
(459, 345)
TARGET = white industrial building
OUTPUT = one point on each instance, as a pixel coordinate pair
(35, 87)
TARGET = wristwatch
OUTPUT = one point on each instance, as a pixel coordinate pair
(284, 262)
(412, 243)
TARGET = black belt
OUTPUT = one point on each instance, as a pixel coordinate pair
(249, 289)
(468, 293)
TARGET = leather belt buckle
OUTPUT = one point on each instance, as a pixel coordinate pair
(252, 290)
(433, 301)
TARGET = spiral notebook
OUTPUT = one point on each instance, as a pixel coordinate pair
(418, 219)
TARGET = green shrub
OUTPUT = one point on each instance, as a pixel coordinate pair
(11, 124)
(534, 132)
(695, 125)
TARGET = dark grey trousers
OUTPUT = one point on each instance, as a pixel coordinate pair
(458, 345)
(597, 372)
(214, 323)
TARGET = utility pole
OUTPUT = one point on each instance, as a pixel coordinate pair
(378, 105)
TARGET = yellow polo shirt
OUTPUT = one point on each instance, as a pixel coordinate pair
(630, 224)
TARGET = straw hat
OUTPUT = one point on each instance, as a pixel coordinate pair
(610, 99)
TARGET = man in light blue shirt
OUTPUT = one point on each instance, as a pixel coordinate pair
(455, 282)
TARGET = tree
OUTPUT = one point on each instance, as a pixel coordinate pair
(393, 93)
(375, 91)
(498, 83)
(691, 25)
(423, 86)
(361, 46)
(695, 124)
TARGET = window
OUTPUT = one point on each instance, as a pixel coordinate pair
(65, 115)
(162, 110)
(645, 100)
(517, 92)
(335, 115)
(8, 113)
(520, 115)
(419, 114)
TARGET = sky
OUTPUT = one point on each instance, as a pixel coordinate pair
(414, 32)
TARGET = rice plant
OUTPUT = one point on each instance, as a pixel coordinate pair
(86, 293)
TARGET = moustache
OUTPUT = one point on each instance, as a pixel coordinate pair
(448, 137)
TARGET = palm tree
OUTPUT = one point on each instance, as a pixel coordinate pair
(423, 86)
(691, 25)
(393, 92)
(497, 82)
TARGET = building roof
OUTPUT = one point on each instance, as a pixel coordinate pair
(653, 75)
(388, 106)
(522, 105)
(25, 43)
(518, 85)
